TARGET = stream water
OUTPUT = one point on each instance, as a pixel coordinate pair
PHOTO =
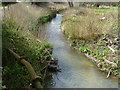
(77, 70)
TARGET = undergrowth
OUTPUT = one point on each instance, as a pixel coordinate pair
(47, 17)
(16, 35)
(92, 33)
(27, 46)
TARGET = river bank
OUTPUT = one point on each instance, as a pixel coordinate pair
(77, 71)
(18, 34)
(95, 34)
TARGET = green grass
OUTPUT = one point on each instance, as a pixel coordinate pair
(100, 10)
(115, 8)
(103, 10)
(1, 5)
(47, 17)
(99, 51)
(24, 44)
(33, 51)
(17, 34)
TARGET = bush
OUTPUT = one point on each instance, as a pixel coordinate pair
(83, 26)
(44, 18)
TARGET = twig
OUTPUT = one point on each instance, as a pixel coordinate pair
(109, 73)
(111, 49)
(44, 67)
(111, 63)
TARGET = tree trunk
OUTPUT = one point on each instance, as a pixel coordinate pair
(70, 3)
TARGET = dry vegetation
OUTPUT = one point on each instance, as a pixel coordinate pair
(95, 34)
(24, 15)
(81, 24)
(19, 21)
(84, 23)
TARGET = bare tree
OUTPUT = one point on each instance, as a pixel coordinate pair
(70, 3)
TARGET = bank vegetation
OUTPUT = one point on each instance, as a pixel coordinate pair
(94, 32)
(20, 22)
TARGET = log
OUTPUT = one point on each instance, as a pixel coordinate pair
(29, 68)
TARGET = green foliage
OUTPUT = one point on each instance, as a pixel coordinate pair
(7, 3)
(1, 5)
(100, 10)
(115, 25)
(99, 51)
(115, 7)
(24, 44)
(17, 74)
(46, 18)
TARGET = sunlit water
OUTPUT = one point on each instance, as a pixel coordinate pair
(77, 70)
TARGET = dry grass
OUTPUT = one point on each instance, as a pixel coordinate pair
(24, 15)
(84, 23)
(81, 23)
(111, 18)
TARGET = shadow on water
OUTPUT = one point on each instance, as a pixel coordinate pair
(77, 70)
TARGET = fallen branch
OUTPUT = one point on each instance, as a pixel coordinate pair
(109, 73)
(111, 63)
(44, 74)
(92, 58)
(29, 67)
(44, 67)
(39, 40)
(111, 49)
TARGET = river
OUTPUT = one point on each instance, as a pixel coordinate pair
(77, 70)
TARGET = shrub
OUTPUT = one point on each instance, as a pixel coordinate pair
(83, 26)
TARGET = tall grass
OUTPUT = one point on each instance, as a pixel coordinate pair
(92, 33)
(18, 21)
(24, 15)
(84, 23)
